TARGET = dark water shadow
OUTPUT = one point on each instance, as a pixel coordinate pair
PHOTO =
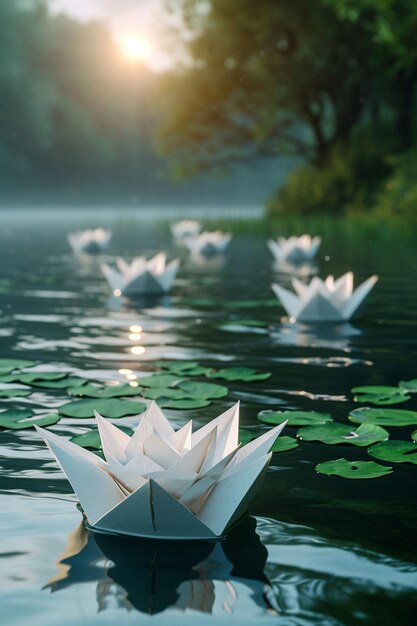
(152, 576)
(139, 302)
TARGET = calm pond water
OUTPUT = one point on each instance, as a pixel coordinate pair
(326, 551)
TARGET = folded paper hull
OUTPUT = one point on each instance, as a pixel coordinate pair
(160, 514)
(166, 484)
(210, 249)
(144, 285)
(92, 247)
(86, 245)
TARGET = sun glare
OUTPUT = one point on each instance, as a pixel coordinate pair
(136, 47)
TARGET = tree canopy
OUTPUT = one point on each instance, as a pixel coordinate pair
(73, 111)
(300, 78)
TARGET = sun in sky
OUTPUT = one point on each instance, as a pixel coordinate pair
(136, 47)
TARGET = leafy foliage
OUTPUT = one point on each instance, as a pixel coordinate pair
(332, 434)
(353, 469)
(108, 408)
(20, 419)
(395, 451)
(294, 418)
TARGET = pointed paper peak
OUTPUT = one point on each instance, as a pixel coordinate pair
(114, 441)
(156, 418)
(227, 420)
(181, 439)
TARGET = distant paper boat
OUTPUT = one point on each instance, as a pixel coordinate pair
(294, 249)
(185, 228)
(89, 241)
(141, 276)
(162, 483)
(208, 243)
(324, 301)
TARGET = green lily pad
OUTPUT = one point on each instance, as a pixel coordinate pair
(108, 408)
(63, 383)
(295, 418)
(353, 469)
(183, 368)
(186, 403)
(19, 419)
(6, 285)
(284, 443)
(8, 365)
(253, 323)
(380, 394)
(34, 378)
(383, 399)
(204, 391)
(409, 385)
(176, 366)
(383, 417)
(245, 436)
(15, 393)
(199, 370)
(249, 304)
(159, 380)
(375, 389)
(332, 433)
(110, 391)
(91, 439)
(154, 393)
(245, 374)
(395, 451)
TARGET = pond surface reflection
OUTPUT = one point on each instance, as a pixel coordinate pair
(325, 551)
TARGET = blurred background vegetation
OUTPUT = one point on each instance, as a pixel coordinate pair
(311, 102)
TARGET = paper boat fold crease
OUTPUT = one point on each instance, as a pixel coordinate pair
(142, 276)
(329, 300)
(163, 483)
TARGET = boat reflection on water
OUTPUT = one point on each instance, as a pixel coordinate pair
(338, 336)
(152, 576)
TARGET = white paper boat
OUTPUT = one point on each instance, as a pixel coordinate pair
(294, 249)
(162, 483)
(324, 301)
(141, 276)
(185, 228)
(89, 241)
(208, 243)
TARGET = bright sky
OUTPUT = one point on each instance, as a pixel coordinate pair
(137, 24)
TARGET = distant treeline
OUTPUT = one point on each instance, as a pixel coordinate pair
(329, 83)
(75, 116)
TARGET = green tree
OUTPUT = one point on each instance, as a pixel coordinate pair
(266, 78)
(72, 114)
(391, 26)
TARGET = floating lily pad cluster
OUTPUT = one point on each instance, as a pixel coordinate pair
(172, 384)
(384, 394)
(320, 427)
(178, 385)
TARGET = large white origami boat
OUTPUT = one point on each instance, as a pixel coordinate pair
(208, 243)
(294, 249)
(185, 228)
(324, 301)
(142, 276)
(90, 241)
(162, 483)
